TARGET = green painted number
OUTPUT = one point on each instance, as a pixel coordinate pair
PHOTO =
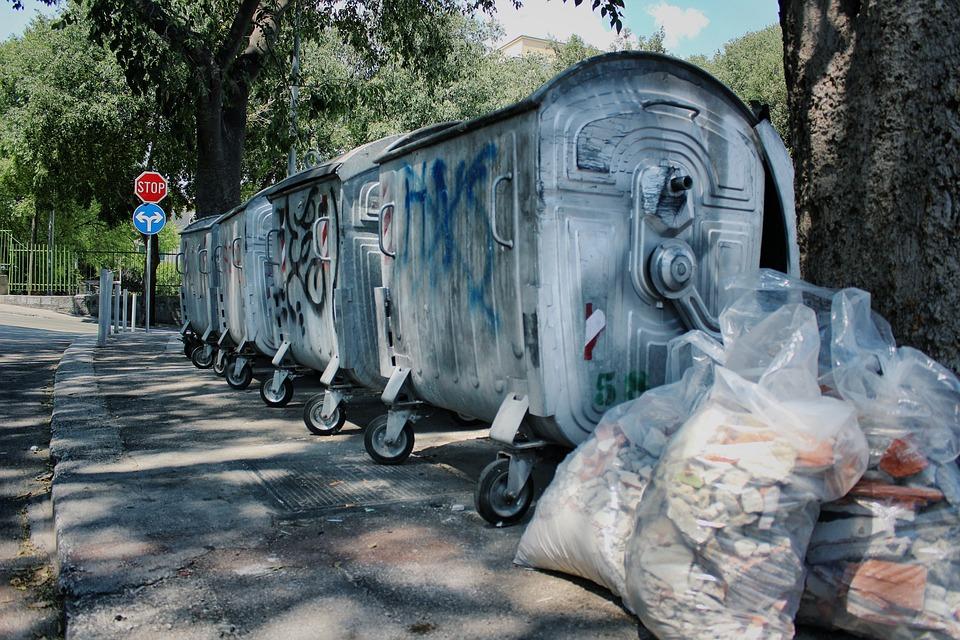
(606, 393)
(635, 384)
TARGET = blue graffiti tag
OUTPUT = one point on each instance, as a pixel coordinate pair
(437, 206)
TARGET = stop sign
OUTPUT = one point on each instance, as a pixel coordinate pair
(150, 186)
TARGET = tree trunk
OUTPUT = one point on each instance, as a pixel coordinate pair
(874, 96)
(220, 140)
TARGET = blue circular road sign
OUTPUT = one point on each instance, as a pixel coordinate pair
(149, 219)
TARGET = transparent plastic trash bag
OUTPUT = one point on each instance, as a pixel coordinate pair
(584, 518)
(722, 528)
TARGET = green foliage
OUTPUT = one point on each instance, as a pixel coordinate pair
(72, 137)
(752, 65)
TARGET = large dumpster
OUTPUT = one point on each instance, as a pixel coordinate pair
(537, 260)
(199, 290)
(329, 265)
(248, 338)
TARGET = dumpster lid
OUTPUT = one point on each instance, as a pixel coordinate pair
(535, 99)
(202, 224)
(344, 166)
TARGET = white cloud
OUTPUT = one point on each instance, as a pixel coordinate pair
(556, 19)
(677, 23)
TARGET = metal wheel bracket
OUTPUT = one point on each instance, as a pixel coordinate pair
(183, 329)
(220, 355)
(521, 466)
(281, 352)
(238, 365)
(510, 416)
(331, 400)
(396, 420)
(395, 385)
(223, 337)
(330, 372)
(278, 377)
(206, 334)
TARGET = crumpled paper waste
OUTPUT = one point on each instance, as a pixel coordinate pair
(586, 515)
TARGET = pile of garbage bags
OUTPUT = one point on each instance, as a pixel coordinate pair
(802, 467)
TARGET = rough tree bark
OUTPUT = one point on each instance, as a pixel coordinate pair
(874, 96)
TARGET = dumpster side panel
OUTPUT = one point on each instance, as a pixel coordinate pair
(305, 309)
(461, 268)
(357, 263)
(258, 277)
(230, 259)
(638, 159)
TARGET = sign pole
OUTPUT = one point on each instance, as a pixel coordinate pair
(147, 278)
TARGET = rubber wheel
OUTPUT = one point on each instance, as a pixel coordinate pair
(200, 359)
(239, 381)
(382, 453)
(316, 423)
(220, 365)
(276, 400)
(188, 347)
(491, 498)
(464, 420)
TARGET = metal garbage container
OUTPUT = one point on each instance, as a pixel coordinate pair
(248, 331)
(329, 265)
(199, 291)
(538, 259)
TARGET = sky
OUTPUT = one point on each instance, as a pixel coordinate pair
(691, 26)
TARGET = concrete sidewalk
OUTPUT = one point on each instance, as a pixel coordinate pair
(185, 509)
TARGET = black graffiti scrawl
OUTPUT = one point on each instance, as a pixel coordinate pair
(301, 269)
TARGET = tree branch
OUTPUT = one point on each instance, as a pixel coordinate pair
(266, 28)
(176, 35)
(233, 41)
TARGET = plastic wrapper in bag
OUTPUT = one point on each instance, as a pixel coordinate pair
(723, 526)
(586, 515)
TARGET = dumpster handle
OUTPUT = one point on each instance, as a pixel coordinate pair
(201, 259)
(383, 248)
(316, 238)
(176, 263)
(235, 254)
(269, 255)
(493, 209)
(673, 103)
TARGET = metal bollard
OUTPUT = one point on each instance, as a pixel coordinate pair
(106, 286)
(133, 311)
(116, 307)
(124, 299)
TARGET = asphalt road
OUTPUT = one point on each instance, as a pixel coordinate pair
(31, 343)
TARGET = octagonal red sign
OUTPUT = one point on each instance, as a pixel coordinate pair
(150, 186)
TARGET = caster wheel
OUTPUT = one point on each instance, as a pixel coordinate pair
(316, 423)
(202, 358)
(239, 381)
(491, 498)
(220, 365)
(464, 420)
(374, 437)
(188, 347)
(272, 399)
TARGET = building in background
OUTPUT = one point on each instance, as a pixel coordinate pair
(523, 45)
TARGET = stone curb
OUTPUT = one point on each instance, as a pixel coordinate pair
(81, 432)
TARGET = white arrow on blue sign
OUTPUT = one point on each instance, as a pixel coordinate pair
(149, 219)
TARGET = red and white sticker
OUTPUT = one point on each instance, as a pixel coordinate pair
(323, 231)
(595, 324)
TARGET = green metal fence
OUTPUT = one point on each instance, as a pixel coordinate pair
(35, 269)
